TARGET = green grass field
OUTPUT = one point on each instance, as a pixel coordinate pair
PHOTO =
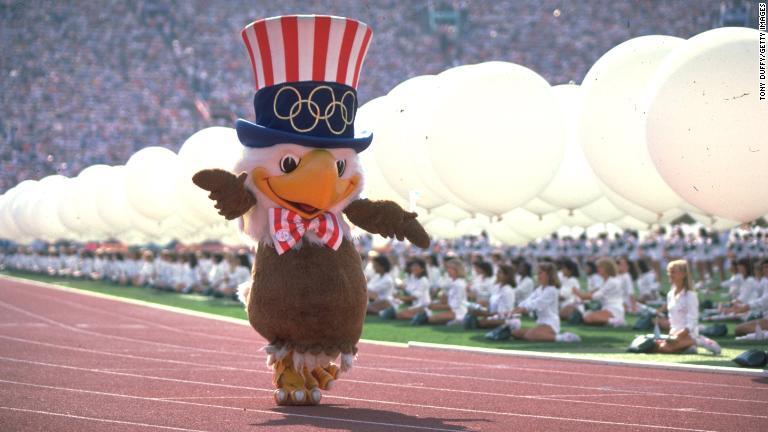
(606, 343)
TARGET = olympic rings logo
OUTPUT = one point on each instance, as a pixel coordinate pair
(314, 109)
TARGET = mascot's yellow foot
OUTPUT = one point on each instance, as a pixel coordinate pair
(289, 383)
(333, 370)
(294, 388)
(311, 384)
(324, 378)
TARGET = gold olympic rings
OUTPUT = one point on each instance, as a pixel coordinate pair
(314, 109)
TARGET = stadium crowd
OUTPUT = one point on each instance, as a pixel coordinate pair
(471, 283)
(92, 82)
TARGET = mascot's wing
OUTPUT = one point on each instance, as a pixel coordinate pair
(232, 198)
(387, 219)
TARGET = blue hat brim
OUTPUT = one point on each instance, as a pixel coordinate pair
(257, 136)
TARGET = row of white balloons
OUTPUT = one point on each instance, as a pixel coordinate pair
(660, 127)
(149, 199)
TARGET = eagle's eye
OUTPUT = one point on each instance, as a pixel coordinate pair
(341, 165)
(288, 163)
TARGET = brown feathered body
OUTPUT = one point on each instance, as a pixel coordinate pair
(310, 299)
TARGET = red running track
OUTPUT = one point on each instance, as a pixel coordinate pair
(74, 362)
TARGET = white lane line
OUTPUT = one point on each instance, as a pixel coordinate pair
(397, 371)
(243, 322)
(122, 338)
(499, 380)
(154, 426)
(141, 320)
(587, 395)
(399, 386)
(570, 419)
(561, 372)
(23, 324)
(247, 410)
(131, 356)
(206, 397)
(185, 369)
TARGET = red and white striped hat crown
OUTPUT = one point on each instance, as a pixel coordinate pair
(306, 48)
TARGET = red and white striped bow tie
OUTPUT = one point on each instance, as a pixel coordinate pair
(288, 227)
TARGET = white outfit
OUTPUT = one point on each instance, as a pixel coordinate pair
(523, 290)
(760, 304)
(502, 299)
(456, 290)
(433, 273)
(418, 288)
(241, 274)
(543, 300)
(383, 286)
(749, 290)
(217, 275)
(611, 295)
(683, 311)
(567, 296)
(627, 287)
(204, 267)
(147, 272)
(647, 284)
(734, 284)
(481, 287)
(594, 282)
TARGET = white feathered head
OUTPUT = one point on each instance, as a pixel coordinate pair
(306, 180)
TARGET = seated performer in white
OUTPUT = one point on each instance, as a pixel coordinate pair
(683, 307)
(451, 307)
(610, 294)
(543, 301)
(381, 286)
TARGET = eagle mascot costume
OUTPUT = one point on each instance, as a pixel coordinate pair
(298, 172)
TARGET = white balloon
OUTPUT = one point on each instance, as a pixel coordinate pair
(602, 210)
(152, 183)
(706, 124)
(375, 186)
(574, 218)
(22, 209)
(451, 213)
(423, 215)
(89, 185)
(213, 147)
(397, 134)
(529, 224)
(670, 215)
(45, 209)
(473, 226)
(611, 130)
(506, 235)
(629, 208)
(420, 117)
(11, 230)
(539, 207)
(67, 209)
(488, 117)
(714, 222)
(112, 201)
(575, 184)
(442, 228)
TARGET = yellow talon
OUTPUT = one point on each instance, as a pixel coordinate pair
(323, 378)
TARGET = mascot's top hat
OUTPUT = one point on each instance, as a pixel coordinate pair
(306, 69)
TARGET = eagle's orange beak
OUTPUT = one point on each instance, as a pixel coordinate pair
(312, 188)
